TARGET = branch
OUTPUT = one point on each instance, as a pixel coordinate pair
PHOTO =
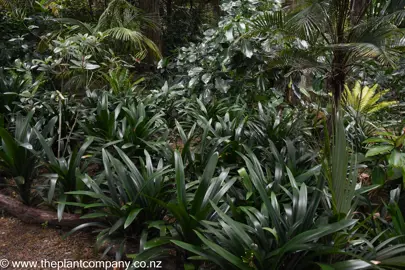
(33, 215)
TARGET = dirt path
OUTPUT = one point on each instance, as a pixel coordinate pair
(26, 242)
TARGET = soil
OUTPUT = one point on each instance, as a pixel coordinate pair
(28, 242)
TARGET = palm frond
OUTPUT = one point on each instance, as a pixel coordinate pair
(124, 22)
(312, 20)
(83, 27)
(120, 13)
(266, 21)
(135, 39)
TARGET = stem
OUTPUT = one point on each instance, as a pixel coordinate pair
(60, 128)
(71, 132)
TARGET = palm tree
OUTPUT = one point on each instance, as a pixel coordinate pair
(353, 31)
(341, 35)
(122, 22)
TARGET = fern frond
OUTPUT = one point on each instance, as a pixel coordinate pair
(382, 105)
(365, 100)
(367, 95)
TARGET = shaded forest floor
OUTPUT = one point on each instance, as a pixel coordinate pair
(29, 242)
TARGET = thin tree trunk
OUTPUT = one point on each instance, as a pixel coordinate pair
(348, 12)
(358, 9)
(90, 2)
(216, 8)
(169, 7)
(338, 77)
(151, 8)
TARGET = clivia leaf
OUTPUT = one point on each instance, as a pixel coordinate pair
(131, 217)
(236, 261)
(117, 225)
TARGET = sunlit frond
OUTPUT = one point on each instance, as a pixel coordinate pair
(365, 100)
(134, 38)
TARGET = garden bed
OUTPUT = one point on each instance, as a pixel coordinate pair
(32, 242)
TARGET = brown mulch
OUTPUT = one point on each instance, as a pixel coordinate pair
(28, 242)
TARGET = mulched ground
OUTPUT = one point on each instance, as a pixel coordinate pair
(29, 242)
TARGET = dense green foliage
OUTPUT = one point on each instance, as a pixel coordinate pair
(246, 134)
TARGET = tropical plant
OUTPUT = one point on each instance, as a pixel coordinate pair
(192, 204)
(14, 87)
(386, 154)
(386, 143)
(223, 62)
(365, 100)
(337, 45)
(9, 4)
(121, 22)
(189, 212)
(270, 234)
(237, 156)
(275, 123)
(283, 236)
(125, 198)
(19, 153)
(133, 126)
(120, 81)
(62, 172)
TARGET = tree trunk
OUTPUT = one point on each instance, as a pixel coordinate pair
(216, 8)
(151, 8)
(169, 7)
(338, 73)
(338, 77)
(90, 2)
(37, 216)
(358, 9)
(338, 70)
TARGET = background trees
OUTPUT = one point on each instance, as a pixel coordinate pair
(350, 32)
(201, 130)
